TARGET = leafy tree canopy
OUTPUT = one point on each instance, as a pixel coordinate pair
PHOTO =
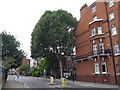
(53, 34)
(9, 62)
(11, 48)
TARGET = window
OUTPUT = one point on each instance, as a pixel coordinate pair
(111, 3)
(114, 32)
(101, 48)
(99, 30)
(116, 49)
(93, 32)
(94, 49)
(94, 18)
(111, 16)
(104, 70)
(93, 9)
(96, 66)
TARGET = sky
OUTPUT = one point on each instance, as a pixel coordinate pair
(19, 17)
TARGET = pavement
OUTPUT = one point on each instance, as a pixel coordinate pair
(13, 82)
(90, 84)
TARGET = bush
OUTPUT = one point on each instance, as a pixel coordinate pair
(35, 72)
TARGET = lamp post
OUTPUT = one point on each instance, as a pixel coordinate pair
(61, 70)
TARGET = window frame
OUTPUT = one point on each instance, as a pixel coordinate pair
(115, 31)
(98, 30)
(104, 63)
(94, 9)
(95, 51)
(116, 49)
(96, 68)
(111, 3)
(93, 31)
(111, 16)
(101, 50)
(94, 18)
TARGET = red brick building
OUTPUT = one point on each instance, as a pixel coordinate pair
(25, 61)
(98, 43)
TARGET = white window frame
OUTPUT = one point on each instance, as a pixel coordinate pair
(94, 9)
(116, 49)
(93, 31)
(99, 29)
(94, 18)
(104, 63)
(96, 68)
(101, 49)
(111, 3)
(111, 16)
(95, 50)
(114, 30)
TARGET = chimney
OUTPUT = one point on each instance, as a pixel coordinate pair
(84, 7)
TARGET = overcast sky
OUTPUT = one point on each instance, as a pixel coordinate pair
(20, 16)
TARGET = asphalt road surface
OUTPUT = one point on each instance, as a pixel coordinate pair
(43, 83)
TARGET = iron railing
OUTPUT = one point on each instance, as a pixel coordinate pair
(95, 53)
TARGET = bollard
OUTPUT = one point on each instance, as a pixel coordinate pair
(64, 81)
(51, 80)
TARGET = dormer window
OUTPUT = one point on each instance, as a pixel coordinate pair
(111, 3)
(93, 9)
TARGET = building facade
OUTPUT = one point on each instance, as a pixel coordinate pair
(25, 61)
(98, 42)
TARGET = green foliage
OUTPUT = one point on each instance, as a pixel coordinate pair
(10, 48)
(24, 67)
(9, 62)
(53, 36)
(35, 72)
(54, 29)
(43, 63)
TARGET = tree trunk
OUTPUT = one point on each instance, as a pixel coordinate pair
(60, 62)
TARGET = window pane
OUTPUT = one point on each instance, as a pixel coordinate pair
(93, 9)
(114, 32)
(103, 67)
(101, 48)
(99, 30)
(116, 49)
(96, 68)
(93, 32)
(111, 3)
(95, 49)
(94, 18)
(111, 16)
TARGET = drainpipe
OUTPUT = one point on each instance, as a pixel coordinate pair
(109, 30)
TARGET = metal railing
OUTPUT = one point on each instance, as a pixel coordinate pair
(95, 53)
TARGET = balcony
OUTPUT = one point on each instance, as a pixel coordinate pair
(96, 53)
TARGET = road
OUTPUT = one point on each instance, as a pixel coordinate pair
(37, 83)
(34, 82)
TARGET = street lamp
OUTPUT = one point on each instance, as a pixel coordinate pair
(61, 65)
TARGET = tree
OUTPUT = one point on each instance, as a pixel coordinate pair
(11, 48)
(24, 67)
(9, 62)
(54, 35)
(43, 63)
